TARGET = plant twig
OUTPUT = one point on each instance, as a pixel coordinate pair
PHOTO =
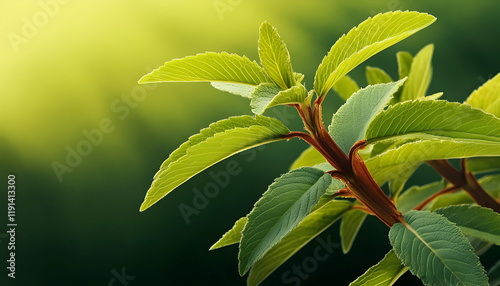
(465, 179)
(448, 190)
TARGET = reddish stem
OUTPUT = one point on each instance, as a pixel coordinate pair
(465, 180)
(448, 190)
(351, 170)
(345, 192)
(313, 142)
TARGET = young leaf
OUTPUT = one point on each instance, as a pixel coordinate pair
(314, 224)
(404, 64)
(397, 182)
(474, 221)
(420, 75)
(351, 120)
(384, 273)
(274, 57)
(215, 143)
(268, 95)
(351, 223)
(370, 37)
(436, 251)
(308, 158)
(414, 195)
(282, 207)
(433, 130)
(483, 164)
(232, 236)
(376, 75)
(487, 97)
(243, 90)
(209, 67)
(345, 87)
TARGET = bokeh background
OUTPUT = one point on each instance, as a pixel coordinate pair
(69, 67)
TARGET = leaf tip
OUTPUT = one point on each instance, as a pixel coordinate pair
(146, 78)
(144, 206)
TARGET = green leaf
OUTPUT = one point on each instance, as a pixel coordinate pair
(436, 251)
(370, 37)
(487, 97)
(243, 90)
(282, 207)
(213, 144)
(232, 236)
(345, 87)
(494, 274)
(314, 224)
(351, 223)
(351, 120)
(475, 221)
(210, 67)
(483, 164)
(397, 182)
(416, 194)
(376, 75)
(274, 57)
(431, 130)
(268, 95)
(456, 198)
(404, 64)
(384, 273)
(434, 96)
(420, 75)
(308, 158)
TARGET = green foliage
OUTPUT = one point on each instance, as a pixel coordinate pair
(232, 236)
(411, 197)
(474, 221)
(345, 87)
(213, 144)
(390, 144)
(267, 95)
(455, 131)
(404, 64)
(351, 223)
(274, 57)
(287, 201)
(377, 75)
(209, 67)
(436, 251)
(483, 164)
(419, 76)
(364, 41)
(315, 223)
(384, 273)
(308, 158)
(350, 122)
(487, 97)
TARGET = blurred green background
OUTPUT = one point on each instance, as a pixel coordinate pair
(68, 67)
